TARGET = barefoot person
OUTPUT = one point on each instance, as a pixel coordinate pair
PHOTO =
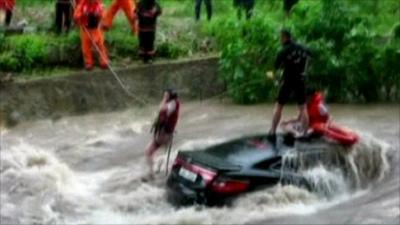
(164, 126)
(293, 59)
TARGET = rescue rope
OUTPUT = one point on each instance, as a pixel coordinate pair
(109, 67)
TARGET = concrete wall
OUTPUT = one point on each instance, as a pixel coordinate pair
(99, 91)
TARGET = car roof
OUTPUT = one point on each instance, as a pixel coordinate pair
(245, 151)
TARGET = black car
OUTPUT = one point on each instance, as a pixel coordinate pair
(214, 175)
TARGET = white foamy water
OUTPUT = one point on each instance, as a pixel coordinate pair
(82, 171)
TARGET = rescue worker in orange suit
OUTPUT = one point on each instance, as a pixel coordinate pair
(7, 6)
(128, 6)
(88, 15)
(320, 123)
(164, 126)
(147, 12)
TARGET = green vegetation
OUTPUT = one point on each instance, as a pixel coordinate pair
(356, 44)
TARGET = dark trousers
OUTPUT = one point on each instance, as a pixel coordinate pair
(7, 21)
(146, 45)
(63, 16)
(208, 8)
(288, 5)
(246, 5)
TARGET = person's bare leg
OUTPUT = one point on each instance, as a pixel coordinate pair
(276, 118)
(303, 117)
(150, 150)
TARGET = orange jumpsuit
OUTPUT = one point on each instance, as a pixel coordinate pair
(128, 6)
(88, 15)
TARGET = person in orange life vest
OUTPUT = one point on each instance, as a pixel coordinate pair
(7, 6)
(88, 15)
(164, 126)
(147, 12)
(128, 6)
(320, 122)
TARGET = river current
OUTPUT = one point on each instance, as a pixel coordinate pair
(87, 169)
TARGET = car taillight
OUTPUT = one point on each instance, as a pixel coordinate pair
(206, 174)
(178, 161)
(227, 186)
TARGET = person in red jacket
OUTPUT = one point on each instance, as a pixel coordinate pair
(164, 126)
(320, 122)
(8, 7)
(128, 6)
(88, 15)
(147, 12)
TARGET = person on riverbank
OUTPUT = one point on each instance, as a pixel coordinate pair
(147, 12)
(7, 6)
(88, 15)
(128, 6)
(320, 122)
(64, 11)
(164, 126)
(244, 5)
(288, 5)
(197, 9)
(293, 59)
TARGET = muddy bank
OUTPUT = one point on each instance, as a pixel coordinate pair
(99, 91)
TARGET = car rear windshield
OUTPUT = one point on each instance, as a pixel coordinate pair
(243, 151)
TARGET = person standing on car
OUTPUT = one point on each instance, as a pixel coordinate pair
(293, 59)
(246, 5)
(147, 12)
(7, 6)
(88, 15)
(64, 12)
(197, 9)
(164, 126)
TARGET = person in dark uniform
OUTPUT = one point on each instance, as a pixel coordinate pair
(198, 9)
(64, 13)
(293, 59)
(147, 12)
(288, 5)
(246, 5)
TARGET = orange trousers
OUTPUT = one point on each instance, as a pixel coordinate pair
(128, 6)
(90, 38)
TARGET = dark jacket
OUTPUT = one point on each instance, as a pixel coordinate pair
(293, 59)
(147, 14)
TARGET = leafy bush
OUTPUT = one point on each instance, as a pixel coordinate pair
(351, 61)
(8, 62)
(246, 57)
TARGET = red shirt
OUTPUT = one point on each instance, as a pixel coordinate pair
(169, 117)
(316, 109)
(7, 4)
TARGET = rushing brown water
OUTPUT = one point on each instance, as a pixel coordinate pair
(87, 169)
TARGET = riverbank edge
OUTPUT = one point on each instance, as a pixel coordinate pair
(84, 92)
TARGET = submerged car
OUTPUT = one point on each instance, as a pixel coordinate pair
(217, 174)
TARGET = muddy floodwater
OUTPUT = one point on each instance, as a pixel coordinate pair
(87, 169)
